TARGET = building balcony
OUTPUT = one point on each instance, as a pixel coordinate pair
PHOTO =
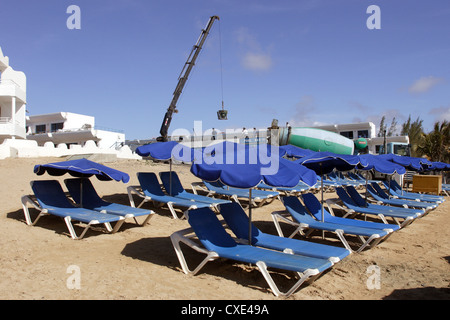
(8, 129)
(8, 88)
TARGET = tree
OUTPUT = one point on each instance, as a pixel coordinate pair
(382, 129)
(436, 144)
(392, 128)
(414, 130)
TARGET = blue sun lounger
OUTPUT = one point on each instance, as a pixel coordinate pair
(216, 243)
(315, 208)
(150, 190)
(236, 219)
(303, 220)
(51, 200)
(377, 210)
(84, 194)
(301, 187)
(175, 189)
(262, 196)
(379, 195)
(396, 191)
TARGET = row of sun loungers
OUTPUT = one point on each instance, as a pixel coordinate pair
(208, 235)
(50, 199)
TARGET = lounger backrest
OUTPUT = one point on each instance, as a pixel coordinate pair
(395, 185)
(297, 210)
(50, 193)
(356, 197)
(149, 183)
(375, 188)
(173, 187)
(209, 230)
(343, 195)
(237, 220)
(90, 196)
(314, 206)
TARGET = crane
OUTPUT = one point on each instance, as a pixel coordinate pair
(183, 78)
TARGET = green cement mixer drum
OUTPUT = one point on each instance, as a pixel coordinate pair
(316, 140)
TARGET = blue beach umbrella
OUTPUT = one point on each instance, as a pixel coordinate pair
(374, 162)
(296, 152)
(169, 150)
(325, 162)
(410, 163)
(82, 168)
(244, 166)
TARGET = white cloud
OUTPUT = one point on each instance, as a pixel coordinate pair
(424, 84)
(257, 61)
(441, 113)
(254, 58)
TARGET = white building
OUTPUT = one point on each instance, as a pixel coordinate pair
(367, 130)
(71, 129)
(12, 101)
(59, 134)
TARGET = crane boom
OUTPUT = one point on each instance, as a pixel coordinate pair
(183, 78)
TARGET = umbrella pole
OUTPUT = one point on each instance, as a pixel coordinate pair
(321, 191)
(250, 216)
(170, 177)
(81, 192)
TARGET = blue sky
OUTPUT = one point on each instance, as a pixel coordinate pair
(303, 62)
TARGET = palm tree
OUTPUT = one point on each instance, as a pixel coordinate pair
(436, 144)
(415, 132)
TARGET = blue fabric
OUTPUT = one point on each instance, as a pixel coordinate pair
(169, 150)
(325, 162)
(299, 213)
(214, 237)
(381, 165)
(296, 152)
(386, 210)
(439, 166)
(175, 188)
(379, 195)
(410, 163)
(151, 188)
(244, 166)
(395, 189)
(50, 196)
(314, 206)
(238, 221)
(82, 168)
(91, 200)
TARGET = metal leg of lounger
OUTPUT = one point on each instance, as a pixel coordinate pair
(72, 232)
(299, 227)
(303, 277)
(146, 219)
(376, 238)
(340, 234)
(180, 236)
(42, 212)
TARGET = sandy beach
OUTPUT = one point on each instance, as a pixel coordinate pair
(140, 262)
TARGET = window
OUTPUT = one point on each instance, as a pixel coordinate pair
(363, 133)
(41, 128)
(56, 126)
(347, 134)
